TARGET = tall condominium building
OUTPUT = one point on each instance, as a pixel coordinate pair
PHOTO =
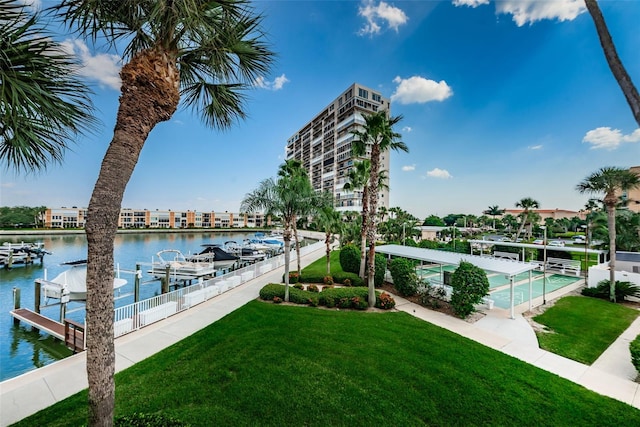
(324, 144)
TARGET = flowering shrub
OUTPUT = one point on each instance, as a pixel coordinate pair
(328, 280)
(294, 277)
(298, 286)
(347, 282)
(385, 301)
(277, 300)
(313, 288)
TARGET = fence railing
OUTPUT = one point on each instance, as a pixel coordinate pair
(134, 316)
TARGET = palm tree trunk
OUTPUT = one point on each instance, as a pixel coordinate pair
(143, 104)
(363, 231)
(295, 234)
(525, 216)
(328, 243)
(611, 222)
(287, 257)
(615, 64)
(371, 223)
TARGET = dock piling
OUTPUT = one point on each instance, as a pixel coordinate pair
(16, 302)
(136, 284)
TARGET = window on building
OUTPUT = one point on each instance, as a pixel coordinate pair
(363, 93)
(376, 97)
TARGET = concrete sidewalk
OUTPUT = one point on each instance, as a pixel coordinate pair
(611, 375)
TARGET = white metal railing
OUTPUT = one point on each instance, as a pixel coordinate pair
(142, 313)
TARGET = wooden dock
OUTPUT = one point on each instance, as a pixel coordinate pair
(71, 333)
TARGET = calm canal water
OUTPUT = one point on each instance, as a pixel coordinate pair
(23, 349)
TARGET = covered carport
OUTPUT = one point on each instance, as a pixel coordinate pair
(508, 268)
(486, 245)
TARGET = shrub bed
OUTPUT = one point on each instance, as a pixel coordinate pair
(348, 297)
(338, 278)
(623, 290)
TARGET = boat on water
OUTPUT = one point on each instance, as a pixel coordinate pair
(215, 254)
(12, 254)
(272, 243)
(246, 252)
(72, 282)
(179, 267)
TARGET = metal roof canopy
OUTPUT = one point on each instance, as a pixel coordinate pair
(536, 246)
(509, 268)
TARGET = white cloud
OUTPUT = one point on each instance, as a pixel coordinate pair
(379, 14)
(407, 129)
(33, 4)
(102, 67)
(276, 84)
(409, 168)
(439, 173)
(609, 139)
(530, 11)
(420, 90)
(535, 147)
(470, 3)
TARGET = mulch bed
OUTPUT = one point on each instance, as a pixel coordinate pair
(442, 306)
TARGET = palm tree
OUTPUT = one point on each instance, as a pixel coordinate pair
(42, 104)
(379, 135)
(204, 52)
(285, 197)
(610, 181)
(330, 221)
(293, 169)
(526, 204)
(509, 222)
(615, 64)
(358, 178)
(494, 211)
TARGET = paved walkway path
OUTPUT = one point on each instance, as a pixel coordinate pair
(611, 375)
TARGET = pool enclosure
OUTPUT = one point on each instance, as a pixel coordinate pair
(506, 271)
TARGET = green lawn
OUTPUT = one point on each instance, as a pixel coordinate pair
(268, 364)
(583, 327)
(319, 266)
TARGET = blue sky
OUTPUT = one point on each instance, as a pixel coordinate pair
(501, 101)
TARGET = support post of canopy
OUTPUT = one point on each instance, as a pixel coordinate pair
(530, 289)
(513, 316)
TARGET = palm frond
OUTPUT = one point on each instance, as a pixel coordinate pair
(43, 105)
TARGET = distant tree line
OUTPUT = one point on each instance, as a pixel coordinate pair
(21, 216)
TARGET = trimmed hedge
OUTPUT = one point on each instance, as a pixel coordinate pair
(350, 259)
(338, 278)
(634, 348)
(334, 297)
(404, 276)
(470, 285)
(380, 270)
(348, 297)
